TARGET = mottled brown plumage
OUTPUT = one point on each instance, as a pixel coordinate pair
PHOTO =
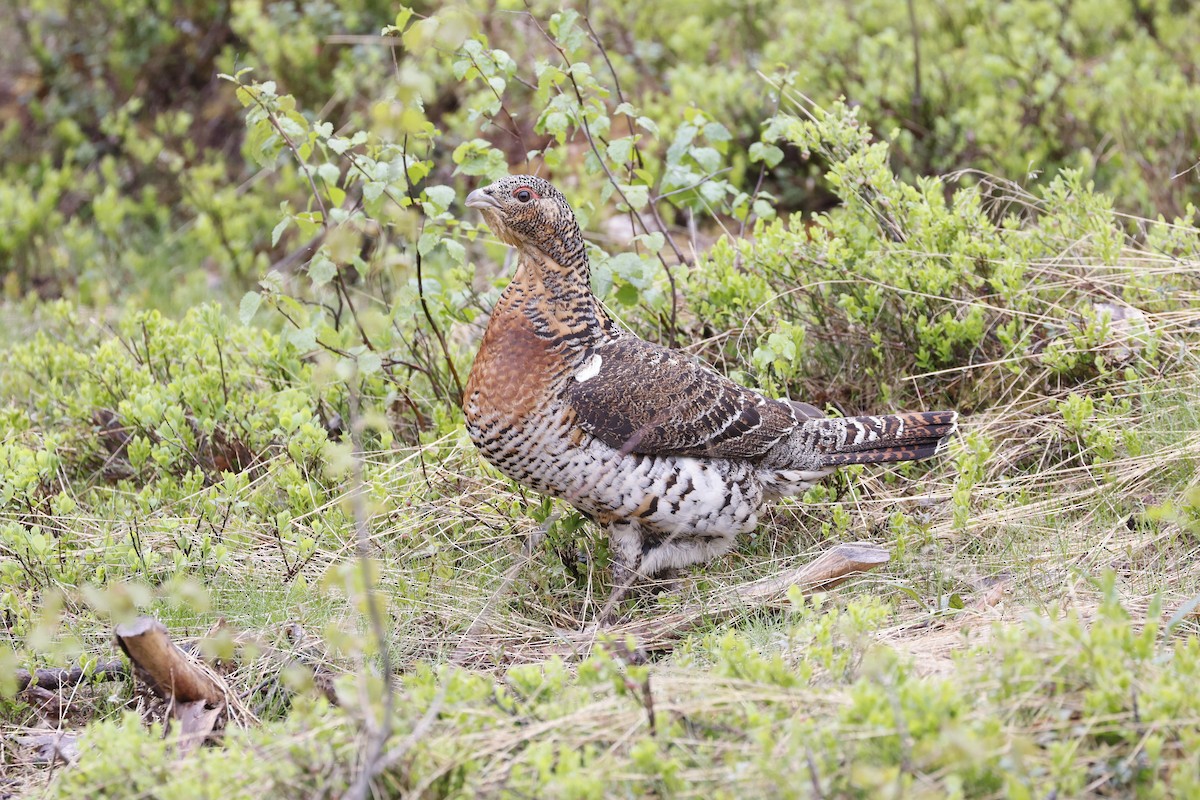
(672, 457)
(689, 410)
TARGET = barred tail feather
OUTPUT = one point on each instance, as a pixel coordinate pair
(882, 440)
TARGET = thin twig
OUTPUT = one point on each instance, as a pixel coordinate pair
(373, 761)
(312, 182)
(600, 158)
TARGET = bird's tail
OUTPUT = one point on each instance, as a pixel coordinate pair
(881, 440)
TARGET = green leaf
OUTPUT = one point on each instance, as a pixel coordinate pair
(421, 35)
(602, 279)
(653, 241)
(637, 195)
(708, 158)
(764, 209)
(627, 295)
(464, 70)
(277, 231)
(372, 190)
(714, 191)
(321, 269)
(291, 128)
(619, 150)
(427, 242)
(716, 132)
(457, 253)
(684, 135)
(769, 154)
(330, 173)
(249, 306)
(402, 18)
(648, 125)
(304, 339)
(440, 196)
(478, 157)
(556, 124)
(566, 32)
(911, 592)
(369, 363)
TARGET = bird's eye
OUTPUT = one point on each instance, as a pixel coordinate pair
(524, 194)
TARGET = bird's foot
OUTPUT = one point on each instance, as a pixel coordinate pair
(622, 583)
(630, 585)
(665, 581)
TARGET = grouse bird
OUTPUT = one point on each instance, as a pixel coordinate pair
(673, 458)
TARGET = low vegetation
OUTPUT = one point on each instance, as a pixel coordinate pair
(242, 297)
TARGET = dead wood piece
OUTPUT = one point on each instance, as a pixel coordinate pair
(165, 668)
(828, 570)
(659, 633)
(58, 677)
(991, 597)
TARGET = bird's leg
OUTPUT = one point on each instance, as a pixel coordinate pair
(663, 581)
(650, 560)
(625, 541)
(665, 555)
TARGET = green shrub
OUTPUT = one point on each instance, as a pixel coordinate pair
(910, 291)
(122, 180)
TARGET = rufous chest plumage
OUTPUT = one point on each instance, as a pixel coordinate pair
(513, 372)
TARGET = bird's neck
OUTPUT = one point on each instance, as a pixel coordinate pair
(557, 299)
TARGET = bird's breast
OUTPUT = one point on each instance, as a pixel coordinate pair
(514, 374)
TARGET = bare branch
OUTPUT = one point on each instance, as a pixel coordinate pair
(377, 738)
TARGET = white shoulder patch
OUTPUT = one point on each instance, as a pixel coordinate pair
(590, 369)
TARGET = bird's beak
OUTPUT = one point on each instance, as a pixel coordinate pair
(480, 199)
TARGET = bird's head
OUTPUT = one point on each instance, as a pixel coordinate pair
(529, 213)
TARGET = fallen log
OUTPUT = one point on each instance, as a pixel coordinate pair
(197, 697)
(166, 669)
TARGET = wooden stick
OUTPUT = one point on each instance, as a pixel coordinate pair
(828, 570)
(54, 679)
(166, 669)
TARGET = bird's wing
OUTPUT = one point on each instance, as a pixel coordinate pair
(639, 397)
